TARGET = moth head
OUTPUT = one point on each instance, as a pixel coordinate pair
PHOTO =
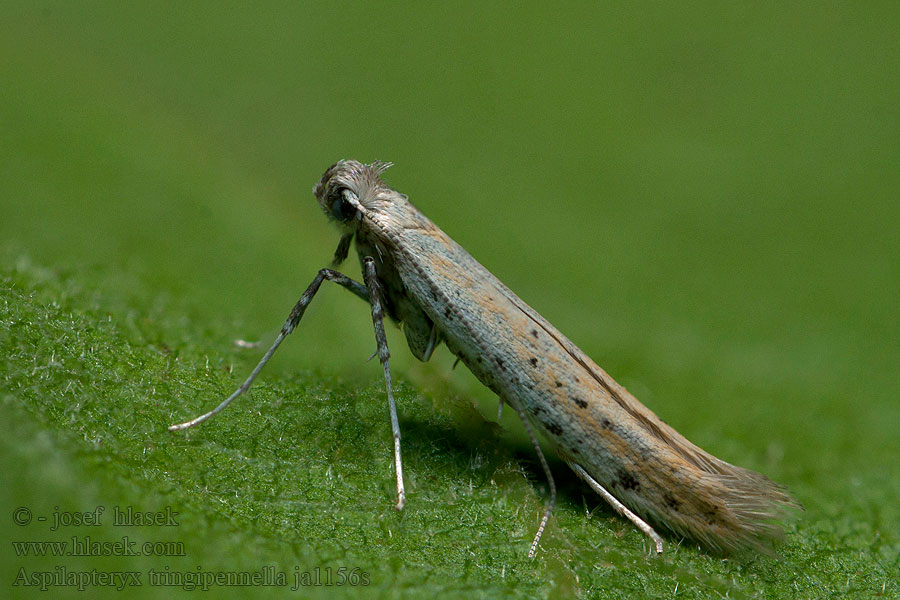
(346, 188)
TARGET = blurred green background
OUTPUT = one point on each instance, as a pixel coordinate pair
(704, 198)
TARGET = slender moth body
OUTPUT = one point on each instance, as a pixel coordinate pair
(437, 292)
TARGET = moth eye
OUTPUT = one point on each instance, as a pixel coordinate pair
(341, 209)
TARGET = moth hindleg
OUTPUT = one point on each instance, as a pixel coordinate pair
(537, 447)
(618, 506)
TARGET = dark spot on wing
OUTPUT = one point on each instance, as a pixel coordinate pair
(558, 384)
(626, 481)
(671, 501)
(606, 424)
(533, 361)
(614, 392)
(580, 402)
(553, 428)
(534, 333)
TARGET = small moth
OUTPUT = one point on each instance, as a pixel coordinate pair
(437, 292)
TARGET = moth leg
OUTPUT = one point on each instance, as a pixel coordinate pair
(374, 288)
(289, 325)
(549, 475)
(619, 507)
(340, 254)
(432, 343)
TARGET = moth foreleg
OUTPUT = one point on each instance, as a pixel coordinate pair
(343, 248)
(289, 325)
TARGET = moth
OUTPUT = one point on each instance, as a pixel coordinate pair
(438, 293)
